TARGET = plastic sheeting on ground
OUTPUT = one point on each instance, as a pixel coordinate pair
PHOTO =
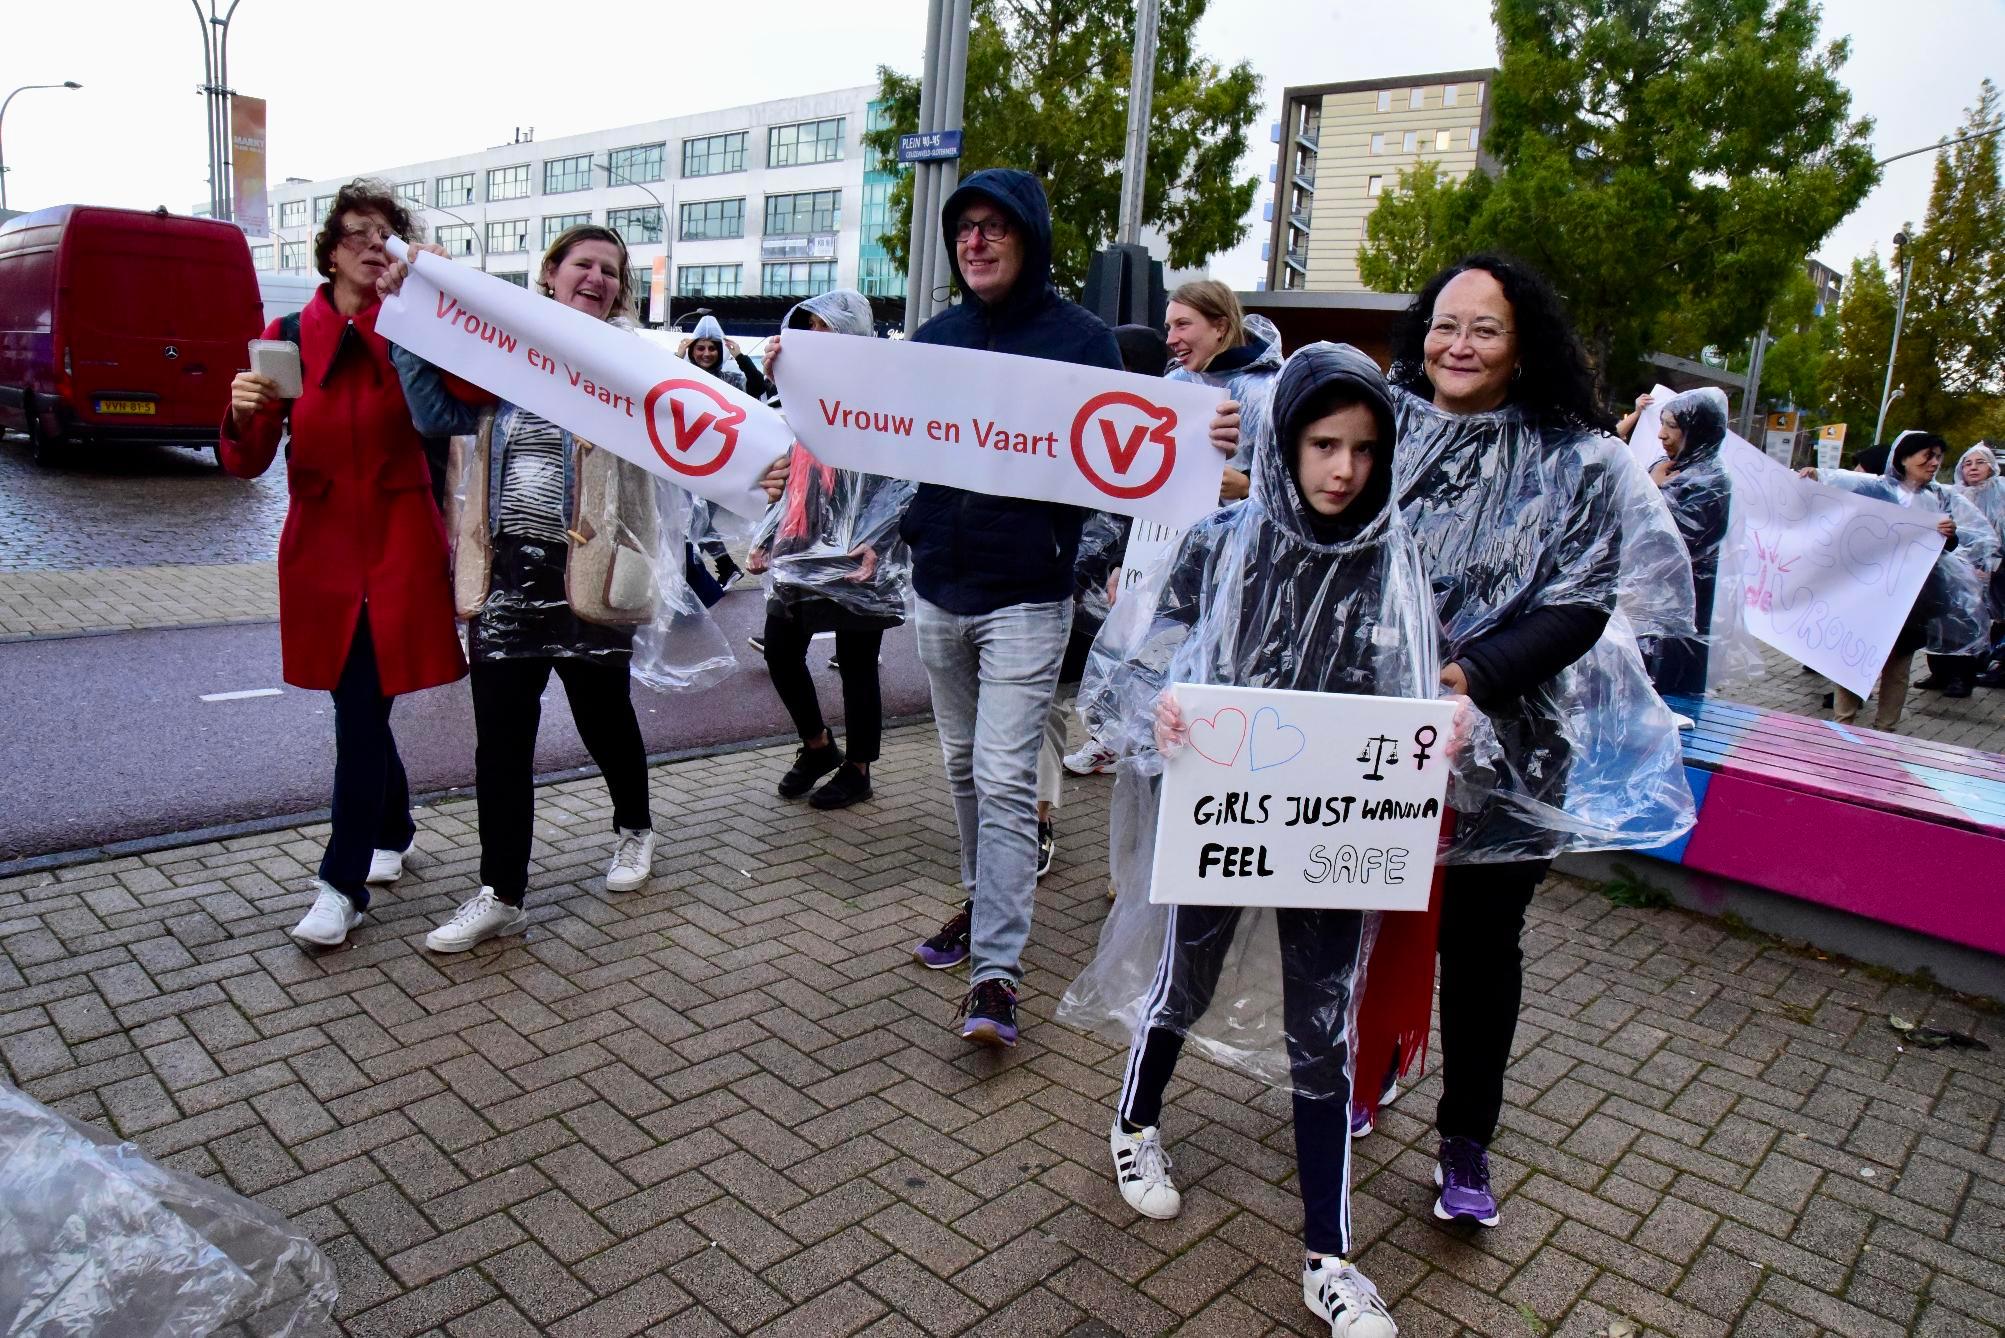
(97, 1240)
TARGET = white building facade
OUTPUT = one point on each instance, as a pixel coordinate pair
(774, 199)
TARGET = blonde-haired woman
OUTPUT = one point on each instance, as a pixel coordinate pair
(1213, 341)
(559, 556)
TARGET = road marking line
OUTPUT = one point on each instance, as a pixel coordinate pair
(239, 696)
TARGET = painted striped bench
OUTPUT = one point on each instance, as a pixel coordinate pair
(1904, 831)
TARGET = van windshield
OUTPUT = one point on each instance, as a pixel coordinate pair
(145, 296)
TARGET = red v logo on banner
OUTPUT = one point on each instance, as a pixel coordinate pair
(1123, 455)
(687, 433)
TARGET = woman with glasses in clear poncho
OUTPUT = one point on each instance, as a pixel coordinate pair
(1534, 545)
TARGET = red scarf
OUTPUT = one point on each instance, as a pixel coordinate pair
(794, 519)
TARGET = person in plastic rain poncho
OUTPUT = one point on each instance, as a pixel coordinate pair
(708, 350)
(1693, 427)
(1314, 585)
(1504, 475)
(833, 563)
(1977, 483)
(1949, 616)
(565, 558)
(1215, 343)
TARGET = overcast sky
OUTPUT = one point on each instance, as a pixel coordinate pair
(358, 86)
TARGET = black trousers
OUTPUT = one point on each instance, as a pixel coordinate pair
(507, 708)
(1482, 984)
(862, 699)
(1319, 968)
(372, 798)
(1955, 668)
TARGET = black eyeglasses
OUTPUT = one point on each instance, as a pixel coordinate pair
(993, 229)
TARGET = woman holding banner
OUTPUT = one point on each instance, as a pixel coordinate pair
(1693, 427)
(367, 621)
(706, 349)
(1949, 615)
(834, 563)
(1212, 342)
(566, 559)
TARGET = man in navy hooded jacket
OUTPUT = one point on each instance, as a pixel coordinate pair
(994, 581)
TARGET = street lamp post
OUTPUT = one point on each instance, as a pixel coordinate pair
(1887, 393)
(216, 88)
(667, 242)
(67, 83)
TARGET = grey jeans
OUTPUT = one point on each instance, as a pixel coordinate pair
(993, 676)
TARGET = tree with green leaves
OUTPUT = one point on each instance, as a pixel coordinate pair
(1664, 156)
(1951, 369)
(1417, 229)
(1047, 92)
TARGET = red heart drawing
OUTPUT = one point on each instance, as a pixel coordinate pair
(1218, 740)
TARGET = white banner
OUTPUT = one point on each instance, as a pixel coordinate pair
(1644, 443)
(634, 398)
(1005, 425)
(1316, 800)
(1825, 576)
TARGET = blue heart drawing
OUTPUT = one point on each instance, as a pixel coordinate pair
(1273, 744)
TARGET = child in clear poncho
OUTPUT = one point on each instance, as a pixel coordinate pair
(1312, 584)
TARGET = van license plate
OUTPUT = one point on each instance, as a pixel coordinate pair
(125, 406)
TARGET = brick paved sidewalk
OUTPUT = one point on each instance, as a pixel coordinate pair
(100, 599)
(730, 1103)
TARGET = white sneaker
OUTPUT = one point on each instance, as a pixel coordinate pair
(385, 866)
(633, 862)
(1142, 1169)
(1091, 760)
(483, 917)
(1335, 1291)
(328, 923)
(1684, 722)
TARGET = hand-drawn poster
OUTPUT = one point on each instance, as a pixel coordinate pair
(1318, 800)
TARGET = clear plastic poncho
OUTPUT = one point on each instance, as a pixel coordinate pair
(1989, 496)
(1699, 494)
(560, 549)
(1260, 594)
(1952, 610)
(1252, 386)
(97, 1238)
(727, 368)
(827, 514)
(1512, 515)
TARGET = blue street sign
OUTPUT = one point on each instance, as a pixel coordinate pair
(932, 147)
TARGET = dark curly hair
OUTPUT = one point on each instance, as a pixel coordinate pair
(360, 193)
(1553, 380)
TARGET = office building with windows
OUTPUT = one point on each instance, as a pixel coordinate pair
(775, 200)
(1341, 148)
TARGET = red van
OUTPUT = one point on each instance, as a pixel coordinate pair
(119, 326)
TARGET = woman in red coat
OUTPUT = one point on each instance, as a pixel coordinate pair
(365, 599)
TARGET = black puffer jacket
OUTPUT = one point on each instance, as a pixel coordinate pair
(973, 553)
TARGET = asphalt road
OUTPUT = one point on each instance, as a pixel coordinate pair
(107, 738)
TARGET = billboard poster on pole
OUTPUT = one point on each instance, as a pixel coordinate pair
(247, 166)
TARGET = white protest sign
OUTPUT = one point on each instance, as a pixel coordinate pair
(1825, 576)
(1315, 800)
(1006, 425)
(617, 391)
(1145, 561)
(1644, 442)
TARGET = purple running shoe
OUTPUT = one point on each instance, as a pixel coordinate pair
(949, 947)
(1463, 1173)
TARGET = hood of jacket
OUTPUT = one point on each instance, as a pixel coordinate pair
(1702, 415)
(843, 310)
(1315, 369)
(728, 369)
(1021, 196)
